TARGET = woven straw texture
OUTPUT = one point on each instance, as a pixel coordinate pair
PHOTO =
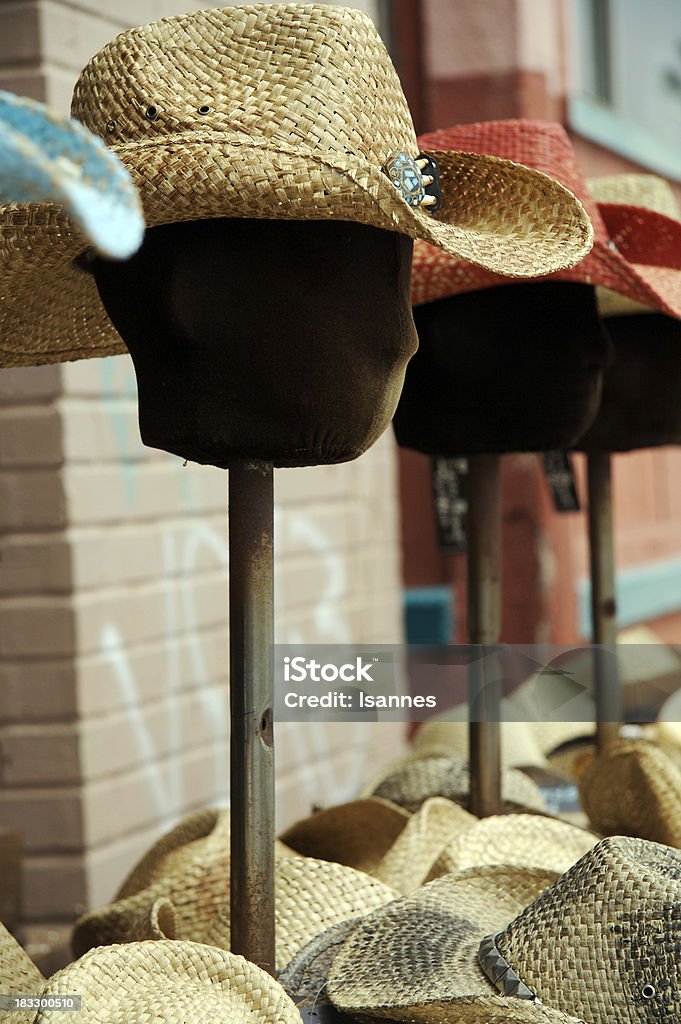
(192, 903)
(416, 958)
(625, 201)
(546, 147)
(18, 976)
(418, 849)
(602, 943)
(411, 782)
(634, 788)
(447, 734)
(358, 833)
(525, 840)
(280, 111)
(168, 982)
(304, 978)
(311, 895)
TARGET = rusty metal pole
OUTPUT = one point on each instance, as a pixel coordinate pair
(603, 597)
(251, 626)
(484, 627)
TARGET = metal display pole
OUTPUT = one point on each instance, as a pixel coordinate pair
(251, 625)
(603, 598)
(484, 627)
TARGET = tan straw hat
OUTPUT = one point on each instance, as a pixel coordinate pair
(412, 781)
(600, 944)
(186, 895)
(357, 833)
(167, 982)
(524, 840)
(306, 976)
(378, 837)
(634, 788)
(276, 111)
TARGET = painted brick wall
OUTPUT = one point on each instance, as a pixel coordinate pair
(113, 584)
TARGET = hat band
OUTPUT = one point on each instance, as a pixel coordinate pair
(500, 972)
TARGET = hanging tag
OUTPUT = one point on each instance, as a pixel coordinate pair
(451, 504)
(560, 477)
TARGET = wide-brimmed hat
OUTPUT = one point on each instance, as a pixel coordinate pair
(275, 111)
(48, 158)
(357, 833)
(140, 982)
(524, 840)
(411, 781)
(600, 944)
(636, 252)
(381, 838)
(306, 976)
(628, 204)
(186, 895)
(633, 788)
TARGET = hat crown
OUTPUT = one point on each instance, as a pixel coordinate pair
(604, 942)
(310, 76)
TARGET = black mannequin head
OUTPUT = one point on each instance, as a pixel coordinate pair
(641, 403)
(277, 340)
(514, 368)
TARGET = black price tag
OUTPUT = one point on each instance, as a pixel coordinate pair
(561, 480)
(451, 504)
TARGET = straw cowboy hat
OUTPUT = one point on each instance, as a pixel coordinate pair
(277, 111)
(180, 890)
(631, 206)
(636, 253)
(411, 781)
(634, 788)
(47, 158)
(381, 838)
(357, 833)
(142, 982)
(600, 944)
(523, 840)
(305, 978)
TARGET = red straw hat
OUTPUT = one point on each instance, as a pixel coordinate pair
(635, 239)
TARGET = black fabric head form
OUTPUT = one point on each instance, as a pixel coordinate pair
(508, 369)
(278, 340)
(641, 403)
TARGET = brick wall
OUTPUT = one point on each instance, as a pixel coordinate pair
(113, 585)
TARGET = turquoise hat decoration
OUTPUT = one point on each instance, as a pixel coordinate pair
(48, 158)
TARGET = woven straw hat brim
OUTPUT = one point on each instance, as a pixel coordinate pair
(418, 850)
(165, 982)
(525, 840)
(358, 833)
(19, 976)
(310, 895)
(50, 310)
(634, 788)
(416, 959)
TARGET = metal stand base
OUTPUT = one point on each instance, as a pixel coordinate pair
(484, 627)
(251, 624)
(603, 598)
